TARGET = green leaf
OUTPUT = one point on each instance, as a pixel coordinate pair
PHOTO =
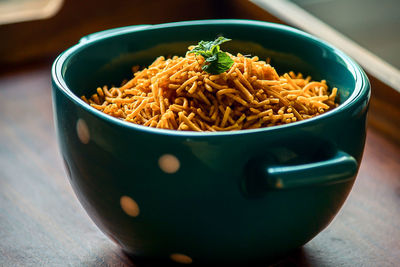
(204, 46)
(220, 40)
(222, 63)
(216, 60)
(212, 58)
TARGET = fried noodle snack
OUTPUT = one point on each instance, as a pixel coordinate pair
(177, 94)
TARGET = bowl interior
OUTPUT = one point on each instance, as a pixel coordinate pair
(108, 60)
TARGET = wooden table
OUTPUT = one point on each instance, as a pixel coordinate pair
(42, 222)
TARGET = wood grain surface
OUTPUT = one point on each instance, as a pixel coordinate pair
(43, 224)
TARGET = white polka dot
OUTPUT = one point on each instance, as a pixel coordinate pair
(279, 183)
(83, 131)
(181, 258)
(129, 206)
(169, 163)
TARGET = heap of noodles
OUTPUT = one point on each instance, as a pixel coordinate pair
(177, 94)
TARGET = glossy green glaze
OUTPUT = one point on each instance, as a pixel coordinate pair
(235, 196)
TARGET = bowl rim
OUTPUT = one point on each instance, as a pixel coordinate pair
(362, 85)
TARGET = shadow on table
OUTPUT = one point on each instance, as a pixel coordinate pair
(296, 258)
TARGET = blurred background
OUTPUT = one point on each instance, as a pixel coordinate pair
(33, 29)
(29, 35)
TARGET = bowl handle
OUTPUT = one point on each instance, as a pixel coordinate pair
(340, 168)
(96, 35)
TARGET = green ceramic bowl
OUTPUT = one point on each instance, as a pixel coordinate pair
(206, 197)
